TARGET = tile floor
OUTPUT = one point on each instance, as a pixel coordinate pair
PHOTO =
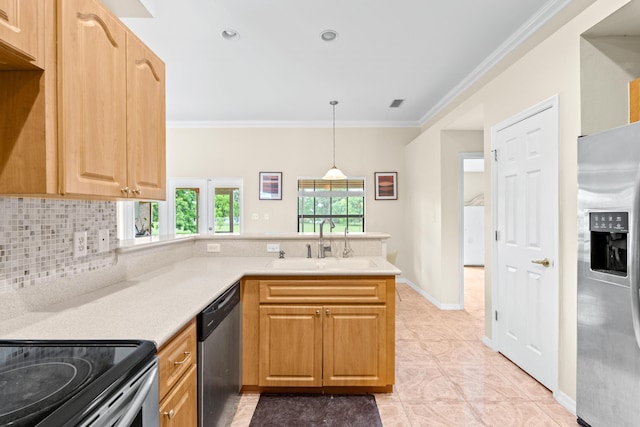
(445, 376)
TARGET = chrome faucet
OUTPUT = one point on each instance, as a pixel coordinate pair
(347, 251)
(322, 249)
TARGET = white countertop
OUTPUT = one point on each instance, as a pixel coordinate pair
(155, 305)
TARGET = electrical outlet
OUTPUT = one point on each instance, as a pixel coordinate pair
(255, 216)
(266, 216)
(103, 240)
(213, 247)
(79, 244)
(273, 247)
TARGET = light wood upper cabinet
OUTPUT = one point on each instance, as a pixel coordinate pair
(92, 93)
(634, 100)
(146, 122)
(21, 34)
(112, 107)
(92, 123)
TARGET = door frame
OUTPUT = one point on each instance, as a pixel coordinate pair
(462, 158)
(550, 103)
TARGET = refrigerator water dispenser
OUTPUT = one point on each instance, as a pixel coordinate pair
(609, 231)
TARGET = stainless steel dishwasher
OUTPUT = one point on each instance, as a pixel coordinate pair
(219, 359)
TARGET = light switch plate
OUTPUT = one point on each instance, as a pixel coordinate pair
(103, 240)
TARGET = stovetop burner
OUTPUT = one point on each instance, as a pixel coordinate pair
(37, 377)
(42, 383)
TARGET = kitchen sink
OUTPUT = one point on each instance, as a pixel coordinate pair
(322, 264)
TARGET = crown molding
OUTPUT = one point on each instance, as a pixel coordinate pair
(289, 124)
(537, 21)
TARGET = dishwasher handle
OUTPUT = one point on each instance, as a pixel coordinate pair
(214, 314)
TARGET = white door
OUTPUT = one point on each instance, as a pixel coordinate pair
(526, 242)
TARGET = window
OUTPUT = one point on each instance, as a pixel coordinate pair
(194, 205)
(146, 218)
(186, 205)
(342, 201)
(227, 210)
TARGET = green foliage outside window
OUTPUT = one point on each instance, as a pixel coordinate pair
(342, 201)
(227, 199)
(186, 211)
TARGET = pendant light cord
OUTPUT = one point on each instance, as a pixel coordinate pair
(333, 103)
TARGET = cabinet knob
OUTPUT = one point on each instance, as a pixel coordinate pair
(170, 414)
(137, 192)
(328, 312)
(317, 312)
(125, 190)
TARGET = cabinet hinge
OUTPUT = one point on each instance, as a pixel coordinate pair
(496, 312)
(495, 155)
(497, 235)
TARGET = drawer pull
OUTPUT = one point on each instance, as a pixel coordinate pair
(170, 414)
(187, 356)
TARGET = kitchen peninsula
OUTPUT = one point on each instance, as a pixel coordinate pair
(163, 285)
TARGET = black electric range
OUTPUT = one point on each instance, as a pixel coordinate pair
(56, 383)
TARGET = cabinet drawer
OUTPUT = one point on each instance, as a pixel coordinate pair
(180, 406)
(369, 290)
(176, 357)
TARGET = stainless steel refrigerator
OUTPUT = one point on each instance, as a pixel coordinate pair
(608, 360)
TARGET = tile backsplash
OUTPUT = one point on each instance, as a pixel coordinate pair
(36, 239)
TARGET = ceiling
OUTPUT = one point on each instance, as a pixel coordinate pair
(280, 73)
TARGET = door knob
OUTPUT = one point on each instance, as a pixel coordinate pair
(543, 262)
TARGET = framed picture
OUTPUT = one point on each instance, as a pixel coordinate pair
(270, 185)
(386, 185)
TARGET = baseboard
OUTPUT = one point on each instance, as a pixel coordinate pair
(488, 342)
(428, 297)
(567, 402)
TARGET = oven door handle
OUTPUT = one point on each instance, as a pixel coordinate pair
(140, 396)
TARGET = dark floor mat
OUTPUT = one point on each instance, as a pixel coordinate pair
(337, 410)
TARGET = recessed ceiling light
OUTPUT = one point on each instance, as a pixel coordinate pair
(230, 34)
(329, 35)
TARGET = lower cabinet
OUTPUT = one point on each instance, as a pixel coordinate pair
(177, 378)
(180, 407)
(318, 332)
(313, 346)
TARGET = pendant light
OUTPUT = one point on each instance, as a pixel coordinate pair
(334, 173)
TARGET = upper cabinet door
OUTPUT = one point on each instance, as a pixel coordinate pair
(20, 24)
(146, 122)
(92, 100)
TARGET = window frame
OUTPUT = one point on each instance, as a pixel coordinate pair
(167, 209)
(335, 194)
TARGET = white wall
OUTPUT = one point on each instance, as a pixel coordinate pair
(473, 184)
(550, 68)
(296, 152)
(608, 64)
(453, 143)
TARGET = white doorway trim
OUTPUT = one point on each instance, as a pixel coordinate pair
(463, 157)
(551, 103)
